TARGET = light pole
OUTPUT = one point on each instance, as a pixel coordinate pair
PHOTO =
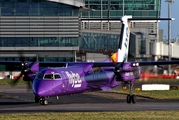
(169, 31)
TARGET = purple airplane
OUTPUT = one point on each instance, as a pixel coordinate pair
(78, 77)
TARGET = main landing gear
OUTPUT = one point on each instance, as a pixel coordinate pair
(41, 100)
(130, 97)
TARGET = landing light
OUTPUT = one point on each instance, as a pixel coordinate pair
(137, 64)
(133, 64)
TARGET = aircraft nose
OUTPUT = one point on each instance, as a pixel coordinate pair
(39, 91)
(38, 88)
(44, 88)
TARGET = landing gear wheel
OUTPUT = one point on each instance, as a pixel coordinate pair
(43, 101)
(133, 98)
(36, 99)
(128, 99)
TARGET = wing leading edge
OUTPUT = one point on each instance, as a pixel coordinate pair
(95, 64)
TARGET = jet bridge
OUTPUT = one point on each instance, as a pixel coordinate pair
(161, 49)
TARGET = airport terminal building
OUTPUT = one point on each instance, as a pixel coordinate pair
(45, 29)
(52, 30)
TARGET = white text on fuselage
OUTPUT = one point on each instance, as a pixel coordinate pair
(74, 79)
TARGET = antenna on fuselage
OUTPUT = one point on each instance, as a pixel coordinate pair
(66, 65)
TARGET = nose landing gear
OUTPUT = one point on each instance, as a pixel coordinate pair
(41, 100)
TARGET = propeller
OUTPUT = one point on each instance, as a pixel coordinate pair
(25, 71)
(118, 68)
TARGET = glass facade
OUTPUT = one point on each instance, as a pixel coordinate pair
(100, 41)
(40, 59)
(114, 8)
(35, 8)
(132, 44)
(38, 41)
(142, 46)
(97, 41)
(38, 23)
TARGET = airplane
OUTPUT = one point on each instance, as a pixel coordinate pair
(79, 77)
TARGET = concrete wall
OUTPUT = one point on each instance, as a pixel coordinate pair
(95, 57)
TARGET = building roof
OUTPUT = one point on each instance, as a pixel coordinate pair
(76, 3)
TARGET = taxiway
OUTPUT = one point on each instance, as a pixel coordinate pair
(18, 100)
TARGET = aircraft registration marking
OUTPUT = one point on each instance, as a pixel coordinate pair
(74, 79)
(127, 37)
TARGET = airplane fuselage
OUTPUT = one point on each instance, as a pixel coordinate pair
(70, 80)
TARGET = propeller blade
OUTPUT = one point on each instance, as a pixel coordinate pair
(25, 70)
(21, 56)
(29, 85)
(16, 80)
(121, 65)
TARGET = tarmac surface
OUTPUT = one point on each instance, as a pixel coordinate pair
(18, 100)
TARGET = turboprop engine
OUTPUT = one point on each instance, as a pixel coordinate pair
(128, 71)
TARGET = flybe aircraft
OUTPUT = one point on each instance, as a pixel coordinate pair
(78, 77)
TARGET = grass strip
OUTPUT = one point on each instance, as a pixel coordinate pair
(10, 81)
(127, 115)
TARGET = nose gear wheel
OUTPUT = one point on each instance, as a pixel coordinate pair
(43, 101)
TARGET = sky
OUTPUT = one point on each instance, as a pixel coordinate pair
(174, 14)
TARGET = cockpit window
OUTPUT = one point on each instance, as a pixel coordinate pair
(48, 76)
(57, 76)
(39, 76)
(52, 76)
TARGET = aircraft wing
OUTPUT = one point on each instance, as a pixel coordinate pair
(95, 64)
(158, 62)
(106, 64)
(41, 64)
(144, 63)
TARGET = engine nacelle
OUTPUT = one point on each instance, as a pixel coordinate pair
(30, 71)
(35, 67)
(129, 66)
(128, 72)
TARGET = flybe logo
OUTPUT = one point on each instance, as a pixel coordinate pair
(127, 37)
(74, 79)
